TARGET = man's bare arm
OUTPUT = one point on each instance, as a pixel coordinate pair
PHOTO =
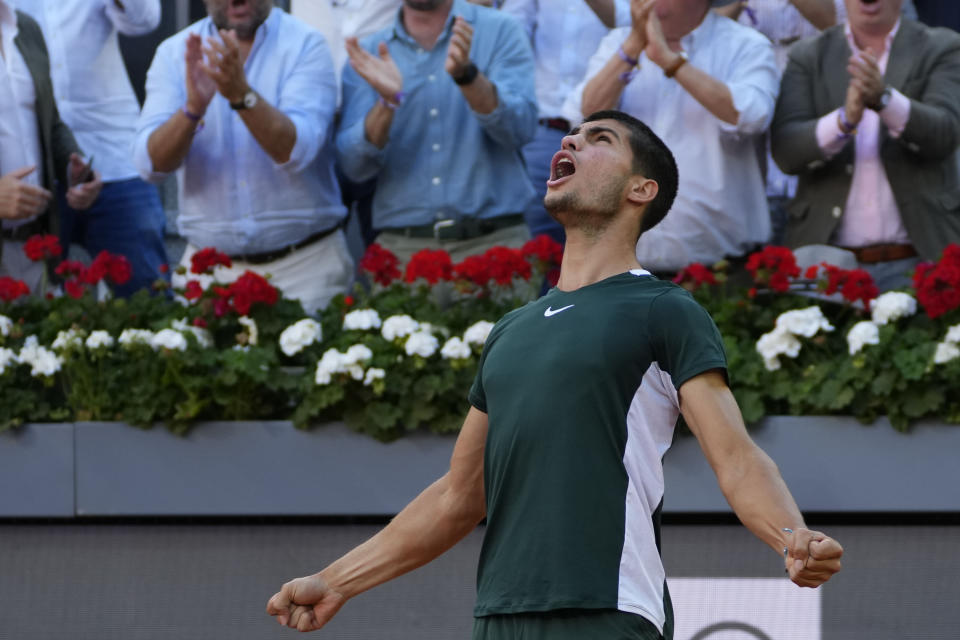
(819, 13)
(751, 482)
(431, 524)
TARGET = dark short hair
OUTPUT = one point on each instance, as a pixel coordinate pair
(651, 159)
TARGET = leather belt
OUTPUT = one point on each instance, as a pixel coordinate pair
(560, 124)
(270, 256)
(882, 252)
(24, 231)
(462, 229)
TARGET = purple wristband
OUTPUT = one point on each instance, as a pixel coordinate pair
(192, 116)
(623, 56)
(846, 128)
(398, 99)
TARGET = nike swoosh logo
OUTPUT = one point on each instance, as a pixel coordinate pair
(552, 312)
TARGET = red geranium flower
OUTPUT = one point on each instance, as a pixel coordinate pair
(431, 265)
(193, 290)
(71, 268)
(853, 284)
(114, 267)
(206, 259)
(11, 289)
(694, 276)
(811, 272)
(381, 264)
(42, 247)
(773, 266)
(543, 248)
(504, 263)
(473, 268)
(74, 289)
(249, 289)
(200, 322)
(938, 285)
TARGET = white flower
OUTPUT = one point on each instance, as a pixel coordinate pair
(356, 354)
(953, 334)
(169, 339)
(422, 344)
(373, 373)
(330, 363)
(803, 322)
(135, 336)
(251, 326)
(299, 335)
(67, 339)
(355, 371)
(42, 361)
(455, 348)
(776, 343)
(477, 333)
(891, 306)
(399, 326)
(861, 334)
(362, 319)
(241, 347)
(203, 336)
(7, 357)
(946, 351)
(6, 324)
(99, 339)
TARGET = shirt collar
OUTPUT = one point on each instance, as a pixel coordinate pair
(459, 8)
(886, 43)
(700, 33)
(262, 30)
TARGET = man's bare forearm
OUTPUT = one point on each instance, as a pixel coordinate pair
(430, 525)
(272, 129)
(714, 95)
(376, 126)
(758, 495)
(481, 95)
(603, 91)
(169, 144)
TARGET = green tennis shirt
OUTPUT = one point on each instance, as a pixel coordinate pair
(580, 388)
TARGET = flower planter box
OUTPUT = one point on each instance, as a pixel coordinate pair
(270, 468)
(37, 471)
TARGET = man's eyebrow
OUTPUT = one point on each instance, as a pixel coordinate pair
(594, 130)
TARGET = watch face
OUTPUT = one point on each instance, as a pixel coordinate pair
(250, 100)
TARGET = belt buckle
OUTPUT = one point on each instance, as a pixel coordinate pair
(440, 225)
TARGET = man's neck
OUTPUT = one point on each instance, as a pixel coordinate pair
(592, 257)
(426, 26)
(875, 40)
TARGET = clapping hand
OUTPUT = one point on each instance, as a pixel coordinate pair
(224, 66)
(200, 86)
(640, 11)
(458, 53)
(380, 71)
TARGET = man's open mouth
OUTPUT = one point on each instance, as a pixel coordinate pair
(562, 167)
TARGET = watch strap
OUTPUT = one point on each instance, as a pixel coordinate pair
(469, 75)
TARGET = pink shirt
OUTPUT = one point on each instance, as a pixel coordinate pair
(871, 215)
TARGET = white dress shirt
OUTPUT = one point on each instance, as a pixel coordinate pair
(94, 94)
(872, 215)
(564, 34)
(19, 134)
(720, 209)
(233, 196)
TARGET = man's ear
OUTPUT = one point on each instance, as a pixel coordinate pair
(642, 190)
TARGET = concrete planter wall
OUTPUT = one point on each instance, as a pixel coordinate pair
(270, 468)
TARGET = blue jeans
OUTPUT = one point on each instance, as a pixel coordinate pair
(126, 219)
(537, 154)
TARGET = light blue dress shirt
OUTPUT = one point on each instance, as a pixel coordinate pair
(442, 159)
(233, 196)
